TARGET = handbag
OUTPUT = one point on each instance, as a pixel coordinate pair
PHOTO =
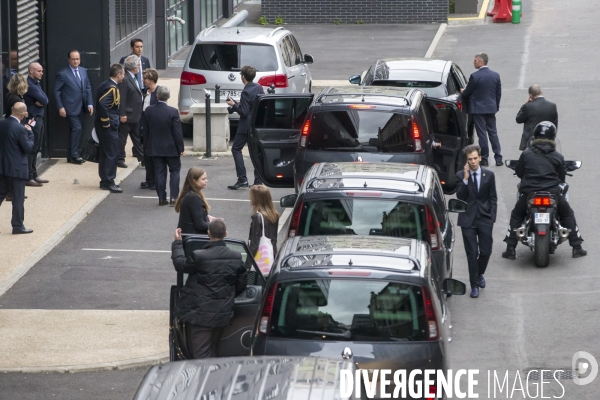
(90, 151)
(264, 254)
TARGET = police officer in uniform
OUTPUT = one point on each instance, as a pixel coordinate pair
(107, 128)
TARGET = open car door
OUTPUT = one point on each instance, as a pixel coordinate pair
(236, 337)
(449, 128)
(275, 128)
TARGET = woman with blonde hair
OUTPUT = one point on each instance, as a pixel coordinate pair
(17, 87)
(192, 205)
(264, 219)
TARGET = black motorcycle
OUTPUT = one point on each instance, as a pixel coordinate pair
(541, 231)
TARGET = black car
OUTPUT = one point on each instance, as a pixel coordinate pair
(437, 78)
(376, 199)
(290, 133)
(374, 299)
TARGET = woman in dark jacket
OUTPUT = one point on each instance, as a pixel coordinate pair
(17, 87)
(191, 204)
(262, 210)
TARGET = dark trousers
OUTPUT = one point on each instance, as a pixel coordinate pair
(202, 342)
(133, 130)
(38, 133)
(478, 245)
(567, 219)
(74, 135)
(150, 173)
(160, 176)
(485, 125)
(239, 141)
(108, 151)
(16, 188)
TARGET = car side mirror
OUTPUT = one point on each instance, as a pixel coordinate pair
(452, 286)
(288, 201)
(457, 206)
(512, 164)
(572, 165)
(308, 59)
(354, 79)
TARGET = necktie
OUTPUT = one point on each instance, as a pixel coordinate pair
(475, 180)
(77, 74)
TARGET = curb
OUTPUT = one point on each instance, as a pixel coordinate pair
(63, 231)
(161, 358)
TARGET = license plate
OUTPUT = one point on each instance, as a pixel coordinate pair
(234, 94)
(542, 218)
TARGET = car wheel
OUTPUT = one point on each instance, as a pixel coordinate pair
(187, 129)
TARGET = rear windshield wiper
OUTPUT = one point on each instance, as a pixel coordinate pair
(346, 335)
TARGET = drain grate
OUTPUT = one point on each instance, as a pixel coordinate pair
(45, 164)
(565, 374)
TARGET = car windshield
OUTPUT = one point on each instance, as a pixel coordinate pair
(431, 89)
(355, 216)
(322, 309)
(232, 57)
(364, 130)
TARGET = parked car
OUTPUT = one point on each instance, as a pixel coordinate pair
(290, 133)
(376, 199)
(218, 54)
(437, 78)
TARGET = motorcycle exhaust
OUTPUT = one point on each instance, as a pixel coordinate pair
(521, 231)
(563, 232)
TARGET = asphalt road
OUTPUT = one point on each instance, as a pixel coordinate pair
(526, 317)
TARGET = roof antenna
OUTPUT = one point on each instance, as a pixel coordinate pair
(365, 185)
(350, 262)
(238, 30)
(363, 98)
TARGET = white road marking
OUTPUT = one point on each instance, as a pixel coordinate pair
(130, 250)
(436, 40)
(208, 198)
(525, 58)
(283, 219)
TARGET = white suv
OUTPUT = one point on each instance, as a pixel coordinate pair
(218, 55)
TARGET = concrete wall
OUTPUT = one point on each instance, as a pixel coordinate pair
(350, 11)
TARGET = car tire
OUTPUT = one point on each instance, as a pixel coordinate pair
(187, 129)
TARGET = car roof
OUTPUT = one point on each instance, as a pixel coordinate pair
(367, 94)
(418, 69)
(241, 34)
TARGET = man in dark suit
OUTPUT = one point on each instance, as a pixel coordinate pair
(106, 124)
(36, 101)
(73, 93)
(244, 108)
(137, 47)
(535, 110)
(477, 186)
(150, 99)
(162, 127)
(483, 94)
(130, 111)
(16, 141)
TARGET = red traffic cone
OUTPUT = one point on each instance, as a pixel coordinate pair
(504, 12)
(495, 9)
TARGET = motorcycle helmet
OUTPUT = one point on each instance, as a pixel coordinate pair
(545, 130)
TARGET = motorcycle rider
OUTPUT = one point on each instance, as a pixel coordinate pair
(542, 168)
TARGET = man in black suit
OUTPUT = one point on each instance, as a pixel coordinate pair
(130, 111)
(107, 128)
(483, 94)
(137, 47)
(244, 108)
(477, 186)
(16, 141)
(162, 127)
(36, 101)
(535, 110)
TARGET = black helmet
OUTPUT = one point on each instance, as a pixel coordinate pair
(545, 130)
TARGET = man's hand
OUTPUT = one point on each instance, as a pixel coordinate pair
(123, 119)
(182, 154)
(466, 170)
(62, 112)
(436, 145)
(529, 99)
(91, 110)
(27, 127)
(178, 234)
(37, 103)
(229, 102)
(211, 218)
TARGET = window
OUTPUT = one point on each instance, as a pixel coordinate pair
(232, 57)
(431, 89)
(363, 217)
(297, 50)
(130, 15)
(322, 310)
(285, 53)
(439, 206)
(444, 119)
(282, 113)
(294, 57)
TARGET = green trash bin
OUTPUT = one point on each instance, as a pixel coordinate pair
(516, 11)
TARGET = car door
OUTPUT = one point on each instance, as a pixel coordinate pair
(458, 75)
(293, 66)
(275, 129)
(235, 339)
(446, 229)
(448, 128)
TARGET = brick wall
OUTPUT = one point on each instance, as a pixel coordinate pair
(350, 11)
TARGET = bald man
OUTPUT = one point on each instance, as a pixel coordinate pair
(535, 110)
(36, 101)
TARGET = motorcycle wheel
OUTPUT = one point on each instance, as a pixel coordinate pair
(542, 250)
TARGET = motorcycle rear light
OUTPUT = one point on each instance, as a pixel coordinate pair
(263, 326)
(279, 80)
(295, 220)
(434, 240)
(190, 78)
(433, 332)
(416, 134)
(542, 201)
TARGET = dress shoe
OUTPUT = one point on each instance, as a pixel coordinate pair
(22, 231)
(578, 251)
(145, 185)
(510, 252)
(31, 182)
(474, 292)
(112, 188)
(121, 164)
(163, 202)
(238, 184)
(172, 203)
(9, 197)
(77, 160)
(40, 180)
(498, 163)
(481, 282)
(484, 163)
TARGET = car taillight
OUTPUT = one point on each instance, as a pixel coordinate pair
(432, 328)
(434, 239)
(459, 105)
(190, 78)
(431, 393)
(279, 80)
(295, 220)
(265, 317)
(541, 201)
(416, 134)
(304, 133)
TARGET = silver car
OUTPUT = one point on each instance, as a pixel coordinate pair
(218, 55)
